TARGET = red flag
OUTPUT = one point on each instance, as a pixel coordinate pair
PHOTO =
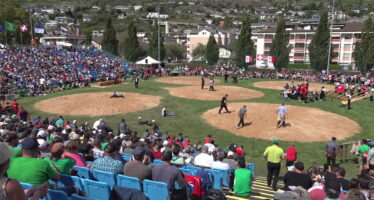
(23, 28)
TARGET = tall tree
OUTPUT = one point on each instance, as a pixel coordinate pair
(212, 50)
(199, 51)
(364, 50)
(131, 49)
(244, 44)
(279, 46)
(319, 47)
(109, 42)
(153, 44)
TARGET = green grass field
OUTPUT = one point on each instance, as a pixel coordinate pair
(189, 123)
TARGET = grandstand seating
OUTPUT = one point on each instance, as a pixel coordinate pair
(251, 166)
(216, 178)
(157, 162)
(156, 190)
(77, 197)
(97, 190)
(26, 186)
(57, 195)
(129, 182)
(83, 172)
(105, 177)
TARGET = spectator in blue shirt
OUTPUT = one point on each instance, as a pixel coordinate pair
(108, 163)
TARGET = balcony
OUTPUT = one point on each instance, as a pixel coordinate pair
(267, 49)
(335, 50)
(292, 41)
(298, 57)
(347, 59)
(348, 40)
(347, 49)
(268, 40)
(299, 49)
(300, 40)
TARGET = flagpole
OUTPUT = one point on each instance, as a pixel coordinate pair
(20, 31)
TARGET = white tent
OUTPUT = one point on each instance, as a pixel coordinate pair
(147, 61)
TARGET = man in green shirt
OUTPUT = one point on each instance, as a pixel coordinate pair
(56, 161)
(273, 154)
(363, 150)
(11, 141)
(243, 179)
(30, 169)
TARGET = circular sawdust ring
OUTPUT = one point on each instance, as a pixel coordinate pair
(303, 124)
(97, 104)
(195, 92)
(184, 80)
(279, 85)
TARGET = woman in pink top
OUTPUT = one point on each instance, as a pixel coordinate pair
(71, 151)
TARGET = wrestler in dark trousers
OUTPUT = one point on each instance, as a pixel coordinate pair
(224, 104)
(202, 83)
(349, 97)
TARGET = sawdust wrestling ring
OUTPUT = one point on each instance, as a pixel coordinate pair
(184, 80)
(304, 124)
(97, 104)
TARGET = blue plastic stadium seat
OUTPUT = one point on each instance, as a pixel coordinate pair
(26, 185)
(127, 156)
(252, 167)
(194, 169)
(217, 178)
(96, 190)
(77, 197)
(225, 177)
(83, 172)
(129, 182)
(156, 190)
(186, 171)
(106, 177)
(57, 195)
(157, 162)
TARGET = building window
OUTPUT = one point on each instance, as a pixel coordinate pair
(346, 55)
(347, 46)
(292, 37)
(347, 36)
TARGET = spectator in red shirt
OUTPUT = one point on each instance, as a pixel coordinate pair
(15, 106)
(240, 150)
(156, 151)
(291, 155)
(208, 139)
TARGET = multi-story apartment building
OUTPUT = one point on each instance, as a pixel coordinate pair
(343, 38)
(195, 38)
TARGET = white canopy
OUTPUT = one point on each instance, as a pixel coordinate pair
(147, 61)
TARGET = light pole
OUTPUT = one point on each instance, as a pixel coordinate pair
(158, 36)
(332, 24)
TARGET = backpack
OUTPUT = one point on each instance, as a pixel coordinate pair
(365, 155)
(213, 194)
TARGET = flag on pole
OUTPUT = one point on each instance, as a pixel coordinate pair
(39, 29)
(64, 30)
(10, 26)
(24, 28)
(2, 28)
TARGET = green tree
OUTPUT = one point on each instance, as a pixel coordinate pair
(109, 42)
(279, 46)
(88, 33)
(212, 51)
(174, 51)
(244, 44)
(199, 51)
(319, 47)
(364, 50)
(153, 44)
(131, 47)
(11, 11)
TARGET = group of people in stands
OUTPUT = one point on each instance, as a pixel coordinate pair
(39, 150)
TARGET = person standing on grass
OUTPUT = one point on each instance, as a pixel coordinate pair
(273, 155)
(202, 83)
(224, 104)
(291, 155)
(136, 81)
(363, 152)
(331, 150)
(242, 114)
